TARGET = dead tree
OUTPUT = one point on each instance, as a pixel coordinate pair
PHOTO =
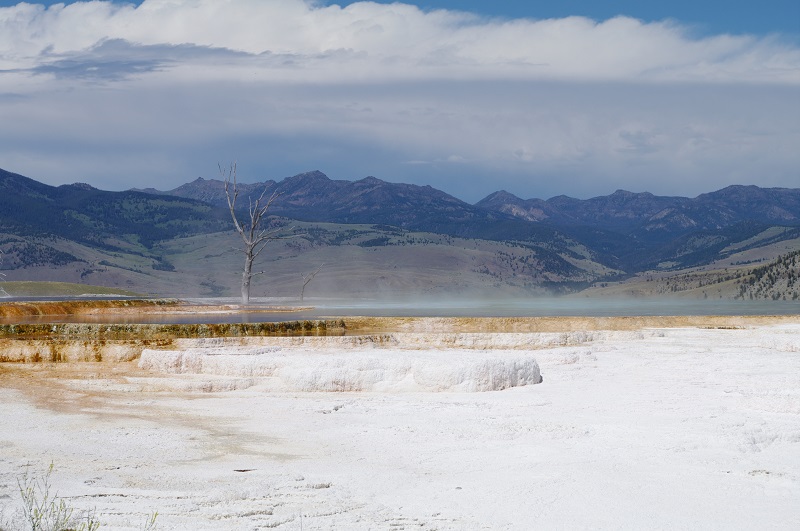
(254, 236)
(308, 278)
(3, 292)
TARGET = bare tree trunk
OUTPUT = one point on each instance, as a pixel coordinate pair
(247, 276)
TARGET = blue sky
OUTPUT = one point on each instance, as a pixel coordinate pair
(704, 16)
(538, 98)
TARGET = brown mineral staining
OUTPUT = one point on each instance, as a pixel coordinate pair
(83, 307)
(34, 342)
(102, 332)
(27, 350)
(116, 341)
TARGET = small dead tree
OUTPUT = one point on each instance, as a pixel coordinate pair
(308, 278)
(254, 236)
(3, 292)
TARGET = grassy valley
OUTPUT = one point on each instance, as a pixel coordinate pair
(368, 260)
(360, 260)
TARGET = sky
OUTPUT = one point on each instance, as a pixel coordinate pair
(537, 98)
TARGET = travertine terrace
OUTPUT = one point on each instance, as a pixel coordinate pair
(422, 423)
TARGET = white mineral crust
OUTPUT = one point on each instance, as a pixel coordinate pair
(659, 429)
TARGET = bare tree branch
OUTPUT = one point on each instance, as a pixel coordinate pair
(308, 278)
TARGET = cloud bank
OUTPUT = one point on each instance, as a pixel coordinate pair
(156, 95)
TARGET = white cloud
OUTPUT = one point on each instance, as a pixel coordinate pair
(157, 94)
(399, 40)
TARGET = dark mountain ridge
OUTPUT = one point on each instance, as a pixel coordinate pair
(639, 231)
(82, 213)
(641, 214)
(312, 196)
(625, 231)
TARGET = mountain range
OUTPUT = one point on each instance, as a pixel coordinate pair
(574, 241)
(315, 197)
(624, 230)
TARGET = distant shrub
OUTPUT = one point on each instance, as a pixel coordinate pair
(375, 242)
(163, 265)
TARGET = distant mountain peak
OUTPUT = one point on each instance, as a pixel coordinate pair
(625, 194)
(310, 175)
(78, 186)
(740, 187)
(501, 195)
(371, 180)
(507, 203)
